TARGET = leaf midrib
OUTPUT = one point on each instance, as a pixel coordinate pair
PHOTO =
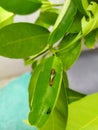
(73, 97)
(89, 122)
(24, 39)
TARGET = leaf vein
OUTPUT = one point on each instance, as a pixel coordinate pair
(24, 39)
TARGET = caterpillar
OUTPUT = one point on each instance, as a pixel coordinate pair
(52, 76)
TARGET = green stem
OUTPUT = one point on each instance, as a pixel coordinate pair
(79, 36)
(29, 61)
(57, 4)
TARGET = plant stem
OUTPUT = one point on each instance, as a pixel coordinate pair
(57, 4)
(30, 60)
(75, 40)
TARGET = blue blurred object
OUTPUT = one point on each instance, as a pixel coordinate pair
(14, 106)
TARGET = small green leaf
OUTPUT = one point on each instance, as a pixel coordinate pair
(41, 23)
(69, 52)
(90, 39)
(49, 16)
(74, 95)
(92, 23)
(83, 114)
(63, 22)
(21, 6)
(5, 17)
(58, 119)
(46, 91)
(20, 40)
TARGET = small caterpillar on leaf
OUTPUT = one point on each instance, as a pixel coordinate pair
(52, 75)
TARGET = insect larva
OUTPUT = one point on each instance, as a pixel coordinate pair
(52, 75)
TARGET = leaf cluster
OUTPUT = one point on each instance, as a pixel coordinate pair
(52, 44)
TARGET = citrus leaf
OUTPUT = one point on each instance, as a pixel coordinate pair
(74, 95)
(92, 23)
(46, 91)
(33, 82)
(76, 25)
(5, 17)
(90, 39)
(69, 53)
(82, 6)
(20, 6)
(63, 21)
(49, 16)
(83, 114)
(41, 23)
(20, 40)
(58, 119)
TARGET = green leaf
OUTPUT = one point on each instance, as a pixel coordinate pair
(58, 119)
(33, 82)
(91, 38)
(74, 95)
(92, 23)
(67, 41)
(46, 91)
(82, 6)
(5, 17)
(93, 0)
(41, 23)
(83, 114)
(76, 25)
(21, 6)
(69, 52)
(65, 80)
(49, 16)
(34, 64)
(63, 22)
(20, 40)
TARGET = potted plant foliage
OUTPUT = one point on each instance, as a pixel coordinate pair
(52, 44)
